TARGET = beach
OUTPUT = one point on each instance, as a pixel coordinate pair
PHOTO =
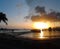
(12, 42)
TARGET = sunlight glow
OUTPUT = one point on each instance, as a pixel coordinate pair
(41, 34)
(40, 25)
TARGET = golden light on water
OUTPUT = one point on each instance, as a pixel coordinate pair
(40, 25)
(41, 34)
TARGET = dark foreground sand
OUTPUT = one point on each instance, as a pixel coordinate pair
(24, 43)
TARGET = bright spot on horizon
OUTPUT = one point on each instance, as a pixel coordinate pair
(40, 25)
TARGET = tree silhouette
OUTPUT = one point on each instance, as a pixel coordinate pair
(3, 17)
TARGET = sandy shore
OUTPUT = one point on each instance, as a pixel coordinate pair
(24, 43)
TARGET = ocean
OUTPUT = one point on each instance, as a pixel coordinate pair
(41, 35)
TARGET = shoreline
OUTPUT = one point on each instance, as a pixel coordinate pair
(26, 43)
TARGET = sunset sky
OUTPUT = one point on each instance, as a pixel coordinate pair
(16, 10)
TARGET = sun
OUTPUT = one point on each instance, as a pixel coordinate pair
(40, 25)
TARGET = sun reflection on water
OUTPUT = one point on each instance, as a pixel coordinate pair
(41, 34)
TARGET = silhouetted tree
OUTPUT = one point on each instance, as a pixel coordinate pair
(50, 29)
(3, 17)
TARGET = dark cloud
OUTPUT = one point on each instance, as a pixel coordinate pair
(40, 9)
(58, 13)
(44, 16)
(52, 16)
(35, 18)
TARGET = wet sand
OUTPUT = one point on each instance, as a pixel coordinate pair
(26, 43)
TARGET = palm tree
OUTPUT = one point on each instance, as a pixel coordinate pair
(3, 17)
